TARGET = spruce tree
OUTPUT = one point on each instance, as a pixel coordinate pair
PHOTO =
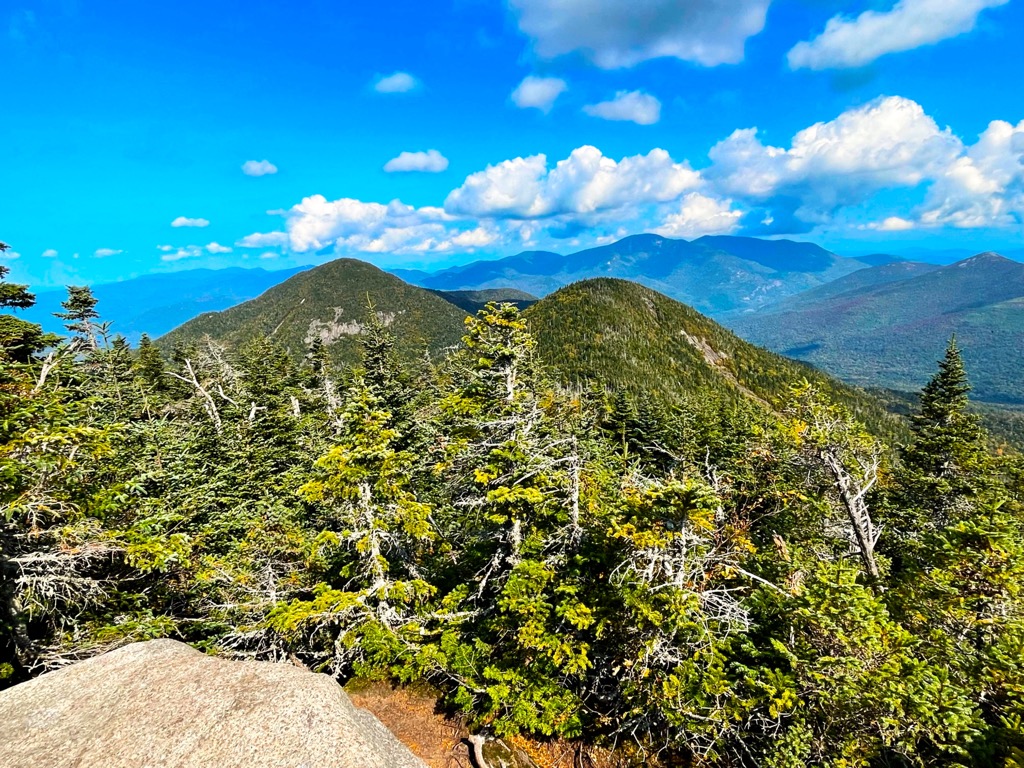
(80, 312)
(19, 339)
(947, 461)
(13, 295)
(149, 364)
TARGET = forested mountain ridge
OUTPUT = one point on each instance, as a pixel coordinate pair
(625, 336)
(713, 274)
(612, 333)
(473, 301)
(715, 585)
(328, 305)
(890, 333)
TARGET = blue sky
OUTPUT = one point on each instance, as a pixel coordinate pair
(554, 124)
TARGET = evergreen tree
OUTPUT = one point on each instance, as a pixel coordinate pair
(945, 469)
(19, 340)
(150, 365)
(947, 459)
(80, 314)
(13, 295)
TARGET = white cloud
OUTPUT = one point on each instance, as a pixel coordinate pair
(622, 33)
(270, 255)
(700, 215)
(258, 168)
(910, 24)
(634, 106)
(264, 239)
(892, 224)
(350, 224)
(10, 255)
(184, 221)
(399, 82)
(430, 161)
(170, 253)
(888, 143)
(102, 252)
(584, 183)
(538, 92)
(49, 253)
(819, 178)
(985, 186)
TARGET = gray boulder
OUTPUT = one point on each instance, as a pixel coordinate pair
(162, 704)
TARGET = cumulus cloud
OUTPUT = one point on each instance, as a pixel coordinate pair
(102, 252)
(699, 214)
(258, 168)
(892, 224)
(910, 24)
(622, 33)
(264, 239)
(633, 106)
(49, 253)
(586, 182)
(170, 253)
(184, 221)
(888, 143)
(185, 252)
(430, 161)
(829, 172)
(985, 186)
(10, 255)
(399, 82)
(538, 92)
(354, 225)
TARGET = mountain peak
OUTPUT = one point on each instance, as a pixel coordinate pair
(985, 257)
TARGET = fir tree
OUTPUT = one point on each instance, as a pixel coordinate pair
(19, 339)
(80, 312)
(149, 364)
(13, 295)
(947, 463)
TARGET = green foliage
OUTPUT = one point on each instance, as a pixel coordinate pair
(678, 551)
(626, 336)
(328, 303)
(888, 333)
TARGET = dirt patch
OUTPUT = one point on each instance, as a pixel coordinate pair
(412, 714)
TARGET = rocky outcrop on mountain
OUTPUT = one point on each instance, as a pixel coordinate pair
(161, 703)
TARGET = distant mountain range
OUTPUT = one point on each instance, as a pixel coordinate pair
(611, 332)
(713, 274)
(155, 304)
(878, 320)
(887, 325)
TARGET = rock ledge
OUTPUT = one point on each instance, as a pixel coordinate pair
(162, 704)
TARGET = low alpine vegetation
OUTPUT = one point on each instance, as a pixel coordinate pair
(720, 583)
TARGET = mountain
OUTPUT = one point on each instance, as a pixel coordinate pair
(329, 303)
(891, 332)
(714, 274)
(878, 259)
(862, 279)
(472, 301)
(155, 304)
(615, 332)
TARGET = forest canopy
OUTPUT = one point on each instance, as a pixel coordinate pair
(714, 581)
